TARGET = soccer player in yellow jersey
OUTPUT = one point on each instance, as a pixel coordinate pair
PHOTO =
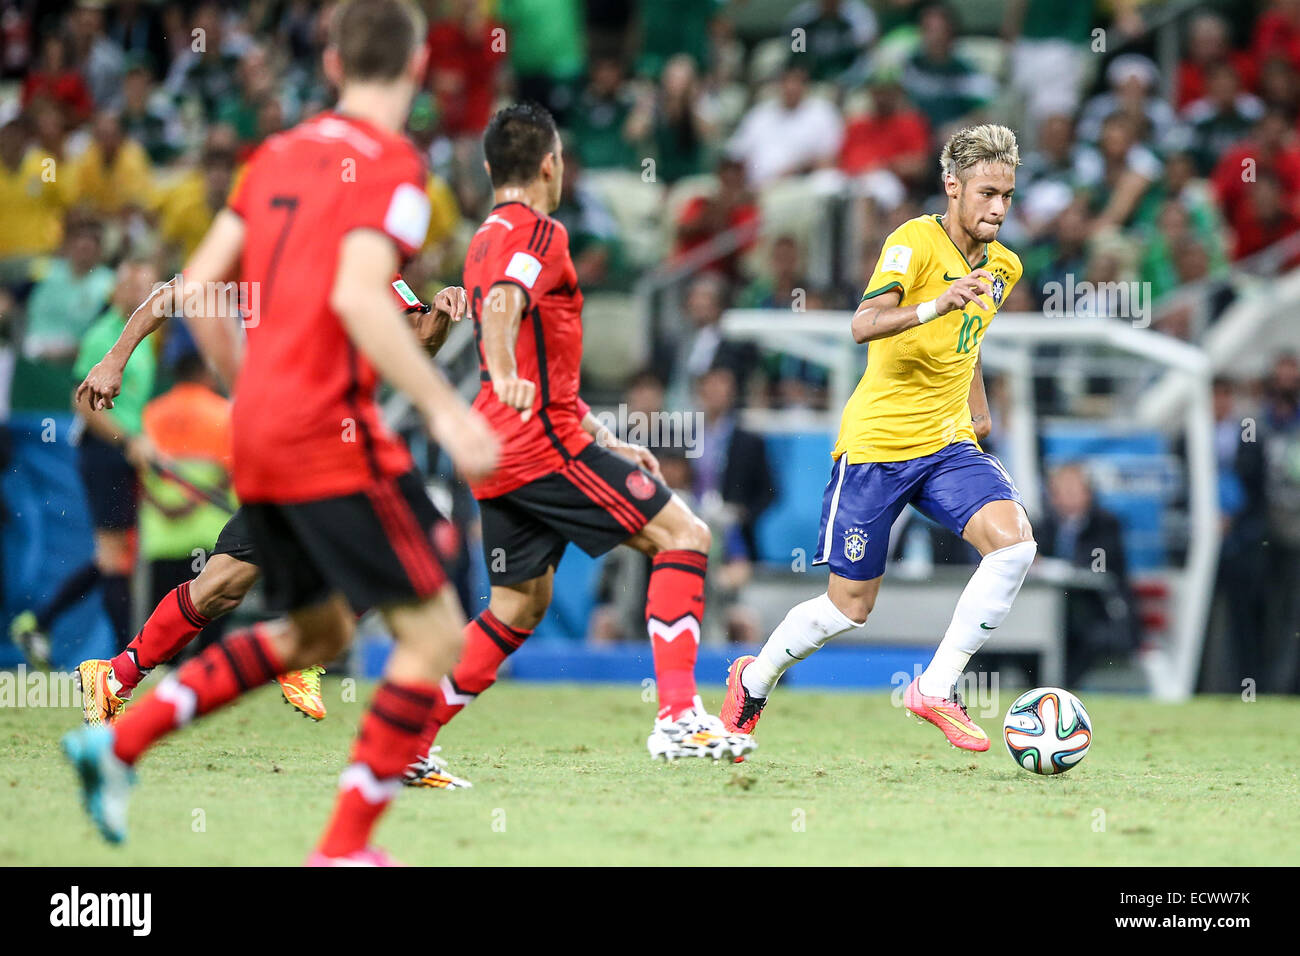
(910, 435)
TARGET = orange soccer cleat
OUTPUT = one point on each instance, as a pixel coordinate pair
(100, 702)
(949, 715)
(740, 709)
(301, 689)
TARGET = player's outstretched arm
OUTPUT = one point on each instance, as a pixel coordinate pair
(210, 307)
(361, 299)
(882, 316)
(103, 382)
(502, 313)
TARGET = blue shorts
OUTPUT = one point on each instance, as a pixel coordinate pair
(862, 502)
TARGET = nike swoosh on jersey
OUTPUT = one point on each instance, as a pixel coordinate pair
(987, 628)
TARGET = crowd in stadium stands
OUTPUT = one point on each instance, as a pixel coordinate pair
(126, 122)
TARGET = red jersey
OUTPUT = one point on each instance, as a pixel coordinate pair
(520, 247)
(306, 424)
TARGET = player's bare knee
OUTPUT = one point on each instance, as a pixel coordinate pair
(854, 599)
(685, 533)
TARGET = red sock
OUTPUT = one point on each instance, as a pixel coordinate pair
(173, 624)
(488, 642)
(244, 660)
(674, 607)
(388, 741)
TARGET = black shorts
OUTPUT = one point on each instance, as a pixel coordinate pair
(111, 484)
(374, 547)
(597, 500)
(236, 539)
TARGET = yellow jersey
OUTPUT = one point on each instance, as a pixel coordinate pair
(912, 399)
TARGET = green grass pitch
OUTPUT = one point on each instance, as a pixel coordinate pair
(562, 776)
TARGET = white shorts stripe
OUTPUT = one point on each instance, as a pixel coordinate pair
(829, 530)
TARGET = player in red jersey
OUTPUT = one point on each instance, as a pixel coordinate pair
(232, 566)
(336, 512)
(562, 476)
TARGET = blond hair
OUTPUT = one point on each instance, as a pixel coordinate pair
(969, 147)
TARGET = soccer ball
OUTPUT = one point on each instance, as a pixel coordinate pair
(1047, 730)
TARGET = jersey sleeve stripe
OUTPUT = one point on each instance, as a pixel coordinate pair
(550, 231)
(871, 294)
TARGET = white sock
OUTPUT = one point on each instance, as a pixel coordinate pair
(981, 609)
(805, 629)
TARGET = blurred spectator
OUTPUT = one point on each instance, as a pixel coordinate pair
(1267, 217)
(1117, 174)
(782, 285)
(186, 209)
(1241, 583)
(892, 136)
(1209, 45)
(683, 125)
(1101, 623)
(1271, 153)
(112, 447)
(206, 65)
(1174, 232)
(148, 117)
(1277, 33)
(99, 59)
(1135, 93)
(1221, 118)
(594, 241)
(33, 196)
(468, 50)
(136, 28)
(1281, 436)
(55, 77)
(113, 174)
(600, 120)
(49, 126)
(70, 295)
(706, 217)
(835, 32)
(944, 86)
(244, 108)
(547, 45)
(790, 135)
(1050, 41)
(1062, 252)
(1279, 87)
(732, 483)
(1046, 180)
(701, 346)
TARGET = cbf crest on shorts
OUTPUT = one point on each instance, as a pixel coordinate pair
(855, 544)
